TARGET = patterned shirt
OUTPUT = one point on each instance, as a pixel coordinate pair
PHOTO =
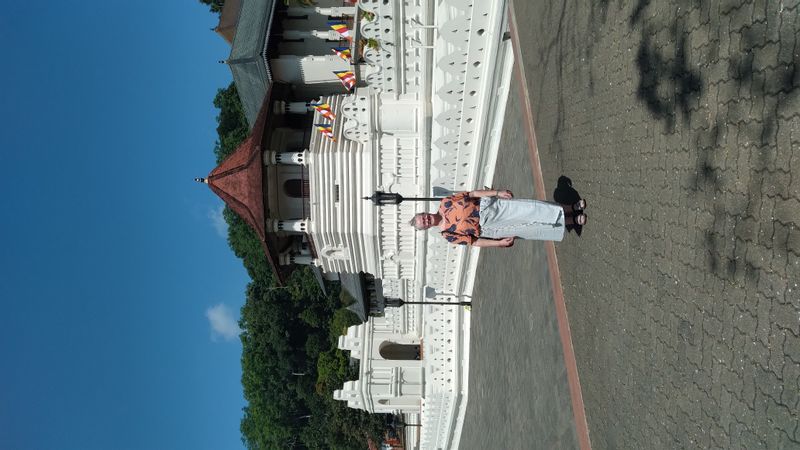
(461, 218)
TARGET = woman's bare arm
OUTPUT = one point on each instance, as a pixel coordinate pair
(505, 242)
(502, 193)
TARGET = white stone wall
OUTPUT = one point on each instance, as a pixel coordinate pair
(384, 385)
(431, 116)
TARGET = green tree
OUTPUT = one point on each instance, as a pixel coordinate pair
(232, 127)
(246, 245)
(342, 319)
(214, 5)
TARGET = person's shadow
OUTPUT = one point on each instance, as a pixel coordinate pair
(567, 195)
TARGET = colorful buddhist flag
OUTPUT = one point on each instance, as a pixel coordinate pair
(326, 130)
(341, 28)
(324, 110)
(347, 77)
(343, 52)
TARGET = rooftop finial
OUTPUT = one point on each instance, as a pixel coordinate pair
(201, 180)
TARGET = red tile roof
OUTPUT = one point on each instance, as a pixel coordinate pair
(239, 182)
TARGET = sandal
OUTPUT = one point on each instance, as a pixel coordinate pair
(580, 219)
(580, 205)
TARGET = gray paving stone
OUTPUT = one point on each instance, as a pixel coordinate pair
(519, 397)
(680, 122)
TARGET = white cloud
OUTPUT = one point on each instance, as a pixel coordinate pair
(218, 221)
(223, 325)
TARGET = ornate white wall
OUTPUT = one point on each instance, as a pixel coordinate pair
(385, 384)
(431, 115)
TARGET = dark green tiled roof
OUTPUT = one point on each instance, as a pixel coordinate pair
(354, 285)
(250, 72)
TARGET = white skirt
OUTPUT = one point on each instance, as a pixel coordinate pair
(521, 218)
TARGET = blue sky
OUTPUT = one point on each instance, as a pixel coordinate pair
(112, 265)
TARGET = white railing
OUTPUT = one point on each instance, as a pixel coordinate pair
(466, 56)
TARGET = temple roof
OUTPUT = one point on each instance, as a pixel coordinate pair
(246, 61)
(239, 182)
(366, 290)
(227, 20)
(354, 284)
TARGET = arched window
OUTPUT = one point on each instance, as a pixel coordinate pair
(296, 188)
(394, 351)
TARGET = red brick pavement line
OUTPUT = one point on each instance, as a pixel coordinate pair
(578, 411)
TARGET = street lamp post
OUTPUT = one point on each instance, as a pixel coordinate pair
(398, 302)
(380, 198)
(398, 422)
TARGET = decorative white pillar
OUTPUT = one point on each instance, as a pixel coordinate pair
(334, 11)
(301, 247)
(288, 258)
(285, 258)
(296, 35)
(271, 158)
(281, 107)
(302, 259)
(290, 226)
(291, 158)
(297, 108)
(403, 403)
(268, 158)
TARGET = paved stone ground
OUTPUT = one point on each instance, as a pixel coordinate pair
(518, 393)
(680, 123)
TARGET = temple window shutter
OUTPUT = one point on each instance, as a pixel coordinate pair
(296, 188)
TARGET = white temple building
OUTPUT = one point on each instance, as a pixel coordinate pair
(424, 118)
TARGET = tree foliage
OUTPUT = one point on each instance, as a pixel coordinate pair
(214, 5)
(232, 125)
(290, 362)
(291, 368)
